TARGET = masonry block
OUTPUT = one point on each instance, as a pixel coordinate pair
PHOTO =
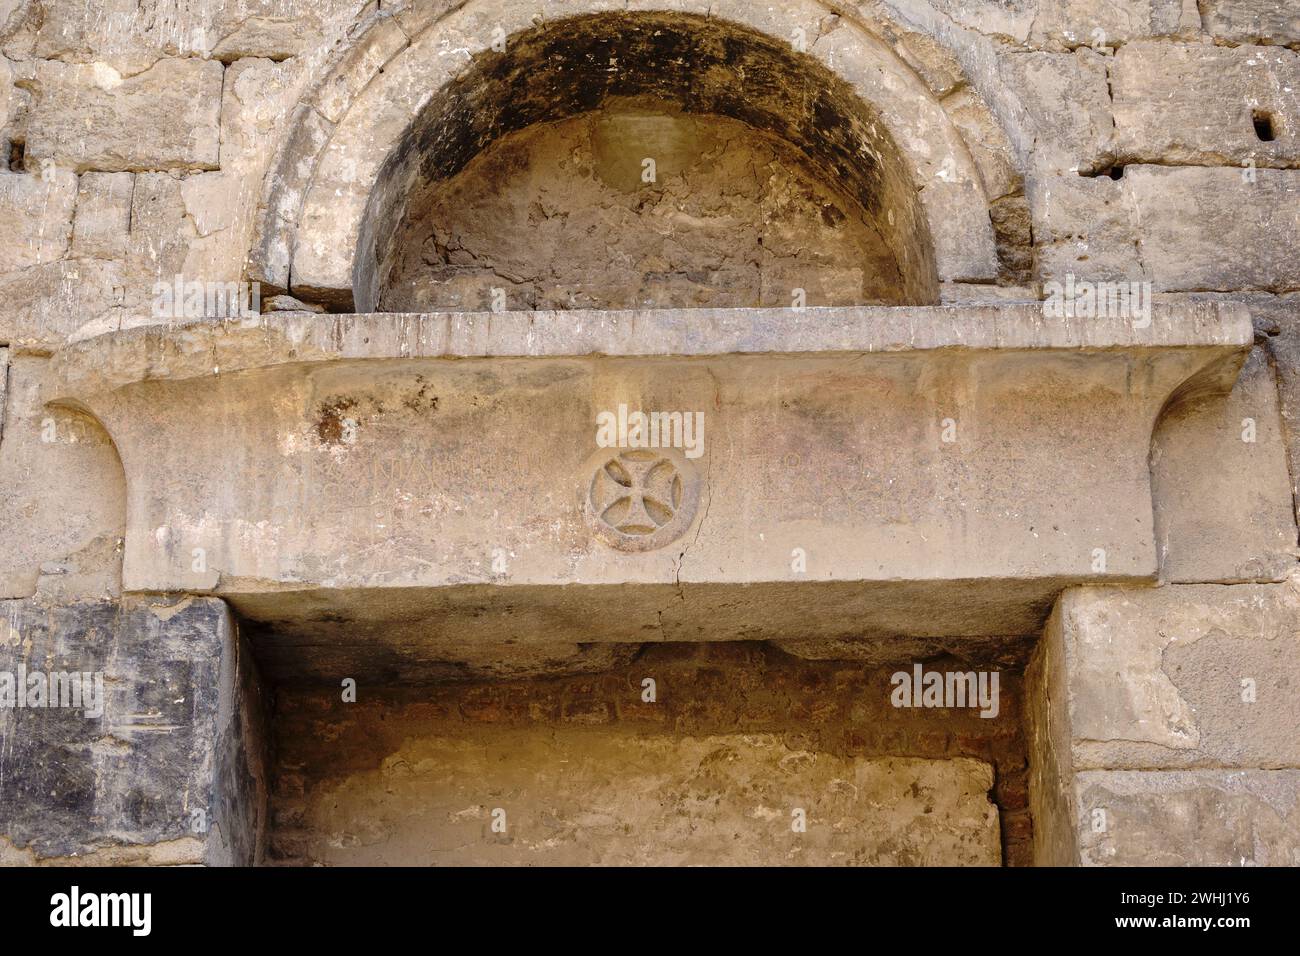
(91, 117)
(1275, 22)
(1206, 105)
(1216, 229)
(1189, 818)
(61, 483)
(166, 766)
(1223, 502)
(1130, 685)
(37, 215)
(103, 214)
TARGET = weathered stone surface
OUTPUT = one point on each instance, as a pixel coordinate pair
(357, 67)
(280, 205)
(735, 218)
(1052, 802)
(1128, 684)
(222, 205)
(1067, 24)
(1213, 229)
(611, 799)
(411, 499)
(172, 770)
(61, 483)
(162, 233)
(46, 303)
(94, 118)
(348, 206)
(1003, 19)
(91, 295)
(1183, 228)
(1082, 226)
(1281, 316)
(1222, 490)
(1251, 21)
(103, 215)
(131, 36)
(833, 707)
(278, 29)
(1110, 23)
(1200, 105)
(987, 141)
(1189, 818)
(1016, 505)
(1163, 678)
(1074, 138)
(13, 103)
(37, 216)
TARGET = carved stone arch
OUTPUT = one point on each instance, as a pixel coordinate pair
(315, 200)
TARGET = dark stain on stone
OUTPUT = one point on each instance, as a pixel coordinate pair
(421, 400)
(329, 419)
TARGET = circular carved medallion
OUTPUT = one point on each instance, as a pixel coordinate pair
(641, 499)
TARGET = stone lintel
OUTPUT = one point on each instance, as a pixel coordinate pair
(854, 463)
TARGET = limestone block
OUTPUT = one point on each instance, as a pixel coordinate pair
(131, 36)
(1223, 497)
(257, 99)
(162, 237)
(415, 16)
(45, 303)
(1274, 22)
(1109, 23)
(994, 18)
(1082, 225)
(1283, 315)
(94, 118)
(1182, 676)
(37, 215)
(278, 29)
(1066, 100)
(123, 34)
(1189, 818)
(384, 41)
(88, 294)
(62, 496)
(1208, 229)
(1067, 24)
(1200, 105)
(14, 104)
(987, 142)
(170, 770)
(272, 249)
(670, 801)
(402, 479)
(103, 215)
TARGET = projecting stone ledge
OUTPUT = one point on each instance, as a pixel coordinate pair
(439, 477)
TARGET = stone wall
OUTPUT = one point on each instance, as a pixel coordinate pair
(1162, 726)
(737, 738)
(163, 762)
(984, 152)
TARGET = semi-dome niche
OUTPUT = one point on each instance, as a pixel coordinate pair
(643, 160)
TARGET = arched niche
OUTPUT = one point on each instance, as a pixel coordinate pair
(644, 160)
(403, 72)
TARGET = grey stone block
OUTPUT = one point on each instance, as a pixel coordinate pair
(172, 769)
